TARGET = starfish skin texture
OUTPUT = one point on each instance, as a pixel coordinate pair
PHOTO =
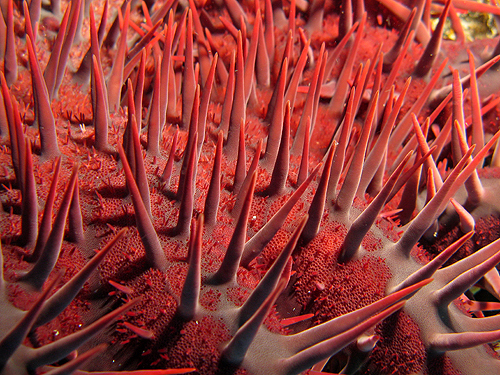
(255, 187)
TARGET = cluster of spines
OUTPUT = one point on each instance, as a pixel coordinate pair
(47, 308)
(351, 181)
(240, 83)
